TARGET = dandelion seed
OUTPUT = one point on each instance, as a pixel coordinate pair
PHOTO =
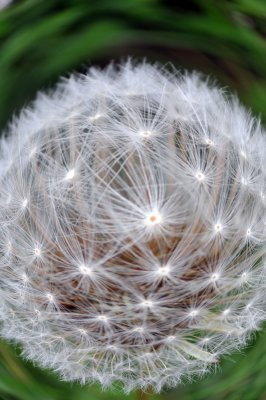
(24, 203)
(200, 176)
(146, 134)
(95, 117)
(153, 218)
(37, 251)
(37, 312)
(164, 271)
(244, 277)
(148, 354)
(248, 232)
(147, 303)
(32, 152)
(8, 200)
(50, 297)
(218, 227)
(138, 329)
(209, 142)
(70, 175)
(25, 278)
(226, 312)
(244, 181)
(85, 270)
(170, 338)
(214, 277)
(8, 247)
(193, 313)
(102, 318)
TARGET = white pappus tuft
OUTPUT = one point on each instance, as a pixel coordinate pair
(133, 225)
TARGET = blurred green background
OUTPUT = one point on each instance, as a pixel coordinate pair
(43, 39)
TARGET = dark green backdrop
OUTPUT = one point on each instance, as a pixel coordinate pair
(43, 39)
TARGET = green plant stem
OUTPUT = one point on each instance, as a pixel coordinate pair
(144, 395)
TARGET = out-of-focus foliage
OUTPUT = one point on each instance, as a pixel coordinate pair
(42, 39)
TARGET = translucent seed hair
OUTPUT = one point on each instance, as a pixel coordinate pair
(132, 227)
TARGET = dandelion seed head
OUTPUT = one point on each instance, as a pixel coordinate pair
(153, 265)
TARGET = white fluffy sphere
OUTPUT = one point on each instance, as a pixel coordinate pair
(132, 217)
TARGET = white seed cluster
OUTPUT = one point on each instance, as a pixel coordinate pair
(132, 217)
